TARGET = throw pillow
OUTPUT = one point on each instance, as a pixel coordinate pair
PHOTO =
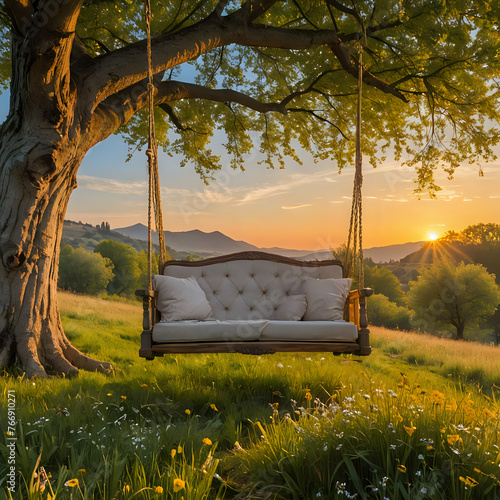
(326, 298)
(292, 308)
(181, 299)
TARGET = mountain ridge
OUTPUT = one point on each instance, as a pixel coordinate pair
(198, 241)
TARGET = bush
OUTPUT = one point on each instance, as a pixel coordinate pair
(383, 312)
(82, 271)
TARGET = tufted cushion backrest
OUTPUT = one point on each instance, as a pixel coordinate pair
(250, 289)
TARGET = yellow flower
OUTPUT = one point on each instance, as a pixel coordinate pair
(123, 397)
(173, 452)
(179, 485)
(187, 411)
(469, 481)
(453, 439)
(82, 471)
(214, 407)
(429, 447)
(144, 385)
(179, 449)
(207, 441)
(399, 417)
(401, 468)
(8, 433)
(71, 483)
(126, 488)
(158, 489)
(109, 394)
(308, 396)
(409, 430)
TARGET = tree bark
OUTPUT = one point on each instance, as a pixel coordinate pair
(36, 181)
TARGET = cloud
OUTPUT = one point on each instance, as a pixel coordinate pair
(293, 207)
(112, 185)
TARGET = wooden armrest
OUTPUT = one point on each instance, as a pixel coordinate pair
(145, 293)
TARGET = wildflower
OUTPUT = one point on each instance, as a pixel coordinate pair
(453, 439)
(123, 397)
(158, 489)
(423, 491)
(409, 430)
(82, 471)
(71, 483)
(308, 396)
(126, 489)
(429, 447)
(214, 408)
(437, 398)
(469, 481)
(179, 449)
(187, 411)
(173, 452)
(401, 468)
(109, 394)
(179, 485)
(207, 441)
(145, 385)
(420, 457)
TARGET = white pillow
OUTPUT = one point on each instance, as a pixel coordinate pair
(326, 298)
(292, 308)
(180, 299)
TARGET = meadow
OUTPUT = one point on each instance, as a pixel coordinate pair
(418, 419)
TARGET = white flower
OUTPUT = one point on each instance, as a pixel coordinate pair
(424, 491)
(420, 457)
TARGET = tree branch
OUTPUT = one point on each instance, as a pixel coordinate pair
(19, 11)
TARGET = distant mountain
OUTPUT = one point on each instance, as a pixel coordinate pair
(200, 242)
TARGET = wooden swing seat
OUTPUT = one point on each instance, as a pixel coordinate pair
(244, 290)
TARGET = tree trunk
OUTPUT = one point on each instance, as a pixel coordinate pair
(460, 331)
(36, 180)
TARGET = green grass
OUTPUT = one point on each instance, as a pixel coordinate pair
(416, 419)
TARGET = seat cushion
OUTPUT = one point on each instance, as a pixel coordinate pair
(310, 331)
(209, 330)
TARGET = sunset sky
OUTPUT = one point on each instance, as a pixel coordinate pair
(302, 207)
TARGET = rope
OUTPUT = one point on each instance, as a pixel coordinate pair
(154, 197)
(356, 221)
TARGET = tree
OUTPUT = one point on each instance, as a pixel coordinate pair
(83, 271)
(280, 73)
(384, 281)
(129, 266)
(457, 295)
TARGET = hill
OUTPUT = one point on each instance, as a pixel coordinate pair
(78, 234)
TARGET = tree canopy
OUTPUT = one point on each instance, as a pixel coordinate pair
(282, 76)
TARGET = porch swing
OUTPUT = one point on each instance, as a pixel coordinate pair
(252, 302)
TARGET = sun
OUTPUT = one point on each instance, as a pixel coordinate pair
(432, 237)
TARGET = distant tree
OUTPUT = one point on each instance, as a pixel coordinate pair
(476, 234)
(449, 294)
(83, 271)
(384, 281)
(383, 312)
(127, 266)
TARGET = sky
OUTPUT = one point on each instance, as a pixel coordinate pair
(305, 207)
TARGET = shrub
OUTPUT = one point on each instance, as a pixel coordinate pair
(383, 312)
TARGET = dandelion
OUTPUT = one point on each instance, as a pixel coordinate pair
(71, 483)
(453, 439)
(173, 452)
(469, 481)
(159, 489)
(187, 411)
(401, 468)
(179, 485)
(214, 408)
(207, 441)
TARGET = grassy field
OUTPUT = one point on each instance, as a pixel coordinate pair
(416, 419)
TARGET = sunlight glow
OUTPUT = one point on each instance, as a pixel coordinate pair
(433, 236)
